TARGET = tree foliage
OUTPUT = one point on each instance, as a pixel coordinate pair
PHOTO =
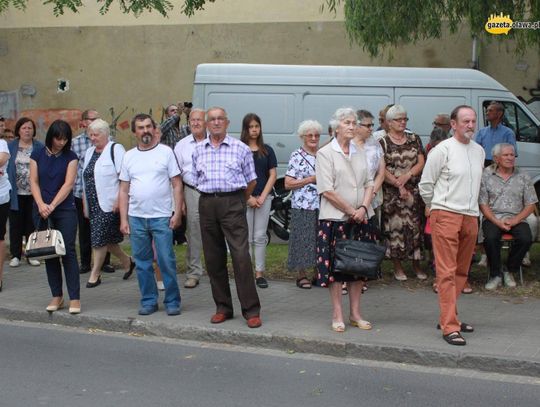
(378, 24)
(135, 7)
(373, 24)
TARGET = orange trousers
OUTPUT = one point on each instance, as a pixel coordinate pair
(454, 238)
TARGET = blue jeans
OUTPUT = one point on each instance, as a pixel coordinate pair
(143, 231)
(64, 220)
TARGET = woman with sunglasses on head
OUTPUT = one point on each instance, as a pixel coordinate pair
(402, 206)
(52, 175)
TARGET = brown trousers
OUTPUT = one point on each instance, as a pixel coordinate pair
(454, 238)
(224, 218)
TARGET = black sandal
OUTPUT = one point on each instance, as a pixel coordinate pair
(455, 338)
(463, 328)
(304, 283)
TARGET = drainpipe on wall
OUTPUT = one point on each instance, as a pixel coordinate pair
(474, 56)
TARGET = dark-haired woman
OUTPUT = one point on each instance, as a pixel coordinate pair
(21, 204)
(52, 175)
(260, 201)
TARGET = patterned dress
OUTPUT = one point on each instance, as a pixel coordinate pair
(304, 213)
(104, 226)
(403, 219)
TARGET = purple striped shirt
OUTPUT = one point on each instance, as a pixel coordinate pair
(226, 168)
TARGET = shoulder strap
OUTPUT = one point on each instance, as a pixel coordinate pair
(112, 153)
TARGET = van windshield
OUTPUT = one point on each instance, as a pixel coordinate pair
(521, 124)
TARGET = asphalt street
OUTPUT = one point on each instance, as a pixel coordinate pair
(47, 365)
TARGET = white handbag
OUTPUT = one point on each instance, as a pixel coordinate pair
(45, 244)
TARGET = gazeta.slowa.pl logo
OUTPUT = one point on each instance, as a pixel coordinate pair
(498, 24)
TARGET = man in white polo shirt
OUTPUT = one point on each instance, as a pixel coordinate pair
(183, 151)
(145, 201)
(450, 186)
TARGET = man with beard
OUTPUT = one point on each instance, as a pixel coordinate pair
(449, 186)
(145, 202)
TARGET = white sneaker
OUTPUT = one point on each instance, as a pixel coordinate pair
(508, 279)
(15, 262)
(160, 286)
(493, 283)
(526, 261)
(483, 261)
(34, 262)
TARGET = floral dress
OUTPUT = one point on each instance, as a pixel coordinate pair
(403, 219)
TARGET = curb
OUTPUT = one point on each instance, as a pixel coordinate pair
(382, 353)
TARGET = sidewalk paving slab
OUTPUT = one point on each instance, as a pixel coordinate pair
(506, 337)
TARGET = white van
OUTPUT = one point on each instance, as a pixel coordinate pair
(284, 95)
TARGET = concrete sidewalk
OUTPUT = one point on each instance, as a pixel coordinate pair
(506, 337)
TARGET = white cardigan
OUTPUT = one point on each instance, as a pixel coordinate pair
(105, 175)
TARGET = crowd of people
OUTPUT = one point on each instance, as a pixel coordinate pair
(376, 186)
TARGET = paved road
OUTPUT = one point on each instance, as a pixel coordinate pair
(53, 366)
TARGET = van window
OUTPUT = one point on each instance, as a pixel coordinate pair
(275, 109)
(516, 119)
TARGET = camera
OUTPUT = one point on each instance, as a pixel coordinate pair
(189, 105)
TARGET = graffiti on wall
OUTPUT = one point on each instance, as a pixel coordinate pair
(44, 117)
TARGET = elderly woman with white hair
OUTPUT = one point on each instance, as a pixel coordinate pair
(345, 185)
(300, 178)
(402, 206)
(102, 164)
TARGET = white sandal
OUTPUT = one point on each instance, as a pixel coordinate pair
(362, 324)
(338, 326)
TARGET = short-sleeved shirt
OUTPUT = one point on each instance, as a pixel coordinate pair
(228, 167)
(488, 136)
(506, 198)
(5, 186)
(149, 173)
(302, 165)
(79, 145)
(263, 165)
(184, 152)
(52, 170)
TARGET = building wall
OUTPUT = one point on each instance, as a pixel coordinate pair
(122, 65)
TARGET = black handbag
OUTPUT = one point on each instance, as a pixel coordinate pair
(359, 258)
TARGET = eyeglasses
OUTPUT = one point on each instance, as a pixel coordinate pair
(309, 135)
(367, 126)
(441, 124)
(401, 119)
(91, 119)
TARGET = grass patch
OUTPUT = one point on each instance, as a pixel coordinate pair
(276, 269)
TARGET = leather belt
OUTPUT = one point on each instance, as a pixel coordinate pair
(221, 194)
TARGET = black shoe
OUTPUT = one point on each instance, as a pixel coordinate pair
(84, 269)
(128, 273)
(108, 268)
(94, 284)
(1, 283)
(148, 310)
(261, 282)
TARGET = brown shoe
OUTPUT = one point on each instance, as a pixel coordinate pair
(219, 317)
(254, 322)
(191, 282)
